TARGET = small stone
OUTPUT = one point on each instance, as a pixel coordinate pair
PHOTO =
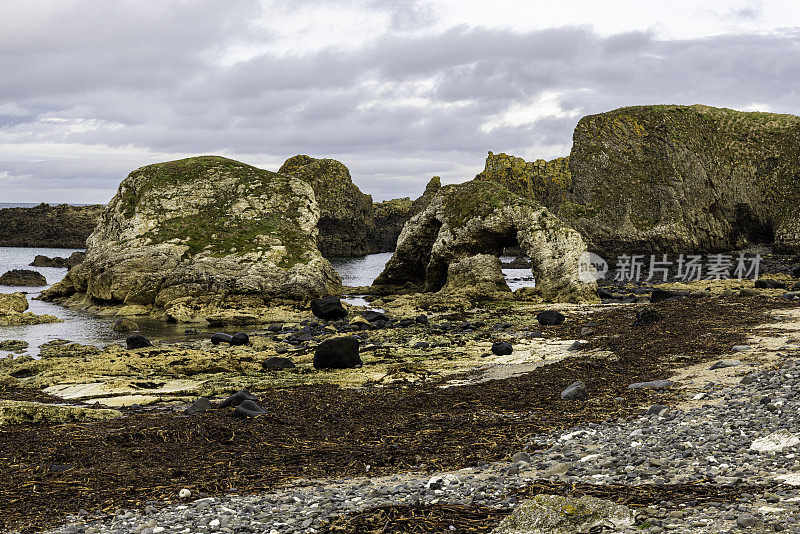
(721, 364)
(746, 521)
(575, 391)
(184, 493)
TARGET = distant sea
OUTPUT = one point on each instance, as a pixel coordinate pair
(32, 204)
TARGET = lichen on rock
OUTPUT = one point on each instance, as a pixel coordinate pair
(553, 514)
(205, 228)
(12, 311)
(479, 217)
(547, 182)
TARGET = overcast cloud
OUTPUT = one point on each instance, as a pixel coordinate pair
(398, 91)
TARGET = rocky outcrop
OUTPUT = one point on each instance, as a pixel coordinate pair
(390, 217)
(419, 205)
(547, 182)
(346, 221)
(61, 226)
(202, 234)
(681, 179)
(686, 179)
(467, 220)
(12, 311)
(23, 278)
(43, 261)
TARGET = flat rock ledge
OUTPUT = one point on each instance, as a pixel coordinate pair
(22, 412)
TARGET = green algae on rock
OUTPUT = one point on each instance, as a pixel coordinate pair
(205, 228)
(12, 311)
(346, 222)
(547, 182)
(24, 412)
(685, 179)
(480, 217)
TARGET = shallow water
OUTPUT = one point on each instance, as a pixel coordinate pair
(85, 327)
(78, 325)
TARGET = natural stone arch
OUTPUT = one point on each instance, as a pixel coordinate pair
(466, 222)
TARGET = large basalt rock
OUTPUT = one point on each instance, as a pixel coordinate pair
(685, 179)
(479, 217)
(346, 222)
(61, 226)
(205, 229)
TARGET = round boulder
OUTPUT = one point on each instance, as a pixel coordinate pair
(550, 317)
(502, 348)
(136, 341)
(124, 325)
(328, 308)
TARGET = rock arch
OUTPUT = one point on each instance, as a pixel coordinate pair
(455, 241)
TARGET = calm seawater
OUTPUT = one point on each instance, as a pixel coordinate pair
(84, 327)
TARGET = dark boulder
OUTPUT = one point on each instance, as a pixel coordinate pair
(220, 337)
(422, 319)
(137, 341)
(647, 316)
(337, 353)
(200, 405)
(23, 277)
(373, 316)
(550, 317)
(277, 362)
(575, 391)
(502, 348)
(796, 271)
(329, 308)
(237, 398)
(248, 408)
(769, 284)
(240, 338)
(659, 295)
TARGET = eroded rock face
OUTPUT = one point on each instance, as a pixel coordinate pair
(390, 217)
(200, 233)
(475, 218)
(678, 179)
(686, 178)
(346, 222)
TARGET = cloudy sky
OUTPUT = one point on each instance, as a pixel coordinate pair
(397, 90)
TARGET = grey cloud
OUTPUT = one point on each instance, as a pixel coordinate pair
(166, 96)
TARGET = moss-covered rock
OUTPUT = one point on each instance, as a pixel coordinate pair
(547, 182)
(392, 215)
(61, 226)
(346, 222)
(480, 217)
(553, 514)
(685, 179)
(205, 228)
(12, 311)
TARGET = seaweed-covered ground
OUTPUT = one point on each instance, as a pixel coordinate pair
(325, 431)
